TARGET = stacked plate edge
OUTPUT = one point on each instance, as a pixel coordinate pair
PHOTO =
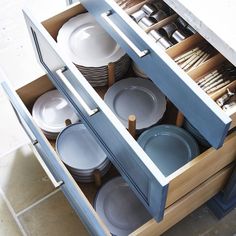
(80, 152)
(50, 111)
(91, 49)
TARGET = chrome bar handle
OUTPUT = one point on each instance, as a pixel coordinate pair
(65, 81)
(140, 53)
(56, 183)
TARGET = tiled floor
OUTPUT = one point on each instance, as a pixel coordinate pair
(29, 205)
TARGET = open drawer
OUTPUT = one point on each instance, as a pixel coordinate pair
(198, 108)
(188, 187)
(154, 190)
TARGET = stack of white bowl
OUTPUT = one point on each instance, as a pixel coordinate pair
(50, 111)
(91, 49)
(81, 153)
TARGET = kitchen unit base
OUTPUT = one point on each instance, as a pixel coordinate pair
(219, 207)
(225, 201)
(203, 176)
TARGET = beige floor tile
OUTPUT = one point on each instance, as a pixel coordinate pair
(11, 132)
(195, 224)
(8, 226)
(22, 179)
(225, 227)
(52, 217)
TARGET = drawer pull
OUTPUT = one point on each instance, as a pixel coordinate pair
(89, 111)
(56, 183)
(123, 36)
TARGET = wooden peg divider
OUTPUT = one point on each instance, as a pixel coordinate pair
(111, 74)
(162, 23)
(132, 125)
(179, 119)
(68, 122)
(97, 178)
(131, 9)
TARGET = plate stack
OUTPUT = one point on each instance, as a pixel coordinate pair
(119, 208)
(139, 97)
(50, 111)
(80, 153)
(91, 49)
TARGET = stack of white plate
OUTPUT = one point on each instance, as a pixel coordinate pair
(91, 49)
(50, 111)
(139, 97)
(119, 208)
(80, 153)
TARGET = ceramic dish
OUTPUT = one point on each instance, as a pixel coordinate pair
(87, 43)
(139, 97)
(78, 149)
(119, 208)
(169, 147)
(50, 112)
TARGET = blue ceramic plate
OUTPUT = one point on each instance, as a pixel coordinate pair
(119, 208)
(169, 147)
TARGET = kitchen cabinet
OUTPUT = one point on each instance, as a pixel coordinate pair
(168, 199)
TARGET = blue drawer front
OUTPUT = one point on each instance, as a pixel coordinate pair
(144, 178)
(196, 106)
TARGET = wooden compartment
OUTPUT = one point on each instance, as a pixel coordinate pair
(195, 182)
(210, 65)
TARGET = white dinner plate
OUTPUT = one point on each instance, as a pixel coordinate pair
(139, 97)
(51, 110)
(119, 208)
(78, 149)
(87, 43)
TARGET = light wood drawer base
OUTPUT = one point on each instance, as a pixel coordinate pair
(187, 204)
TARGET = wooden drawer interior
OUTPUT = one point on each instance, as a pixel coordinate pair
(207, 171)
(53, 25)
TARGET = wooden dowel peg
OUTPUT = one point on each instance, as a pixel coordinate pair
(179, 119)
(132, 125)
(111, 74)
(97, 178)
(68, 122)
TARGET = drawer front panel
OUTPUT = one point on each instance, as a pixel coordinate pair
(75, 196)
(142, 175)
(196, 105)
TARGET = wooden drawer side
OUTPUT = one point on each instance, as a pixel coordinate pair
(186, 205)
(200, 169)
